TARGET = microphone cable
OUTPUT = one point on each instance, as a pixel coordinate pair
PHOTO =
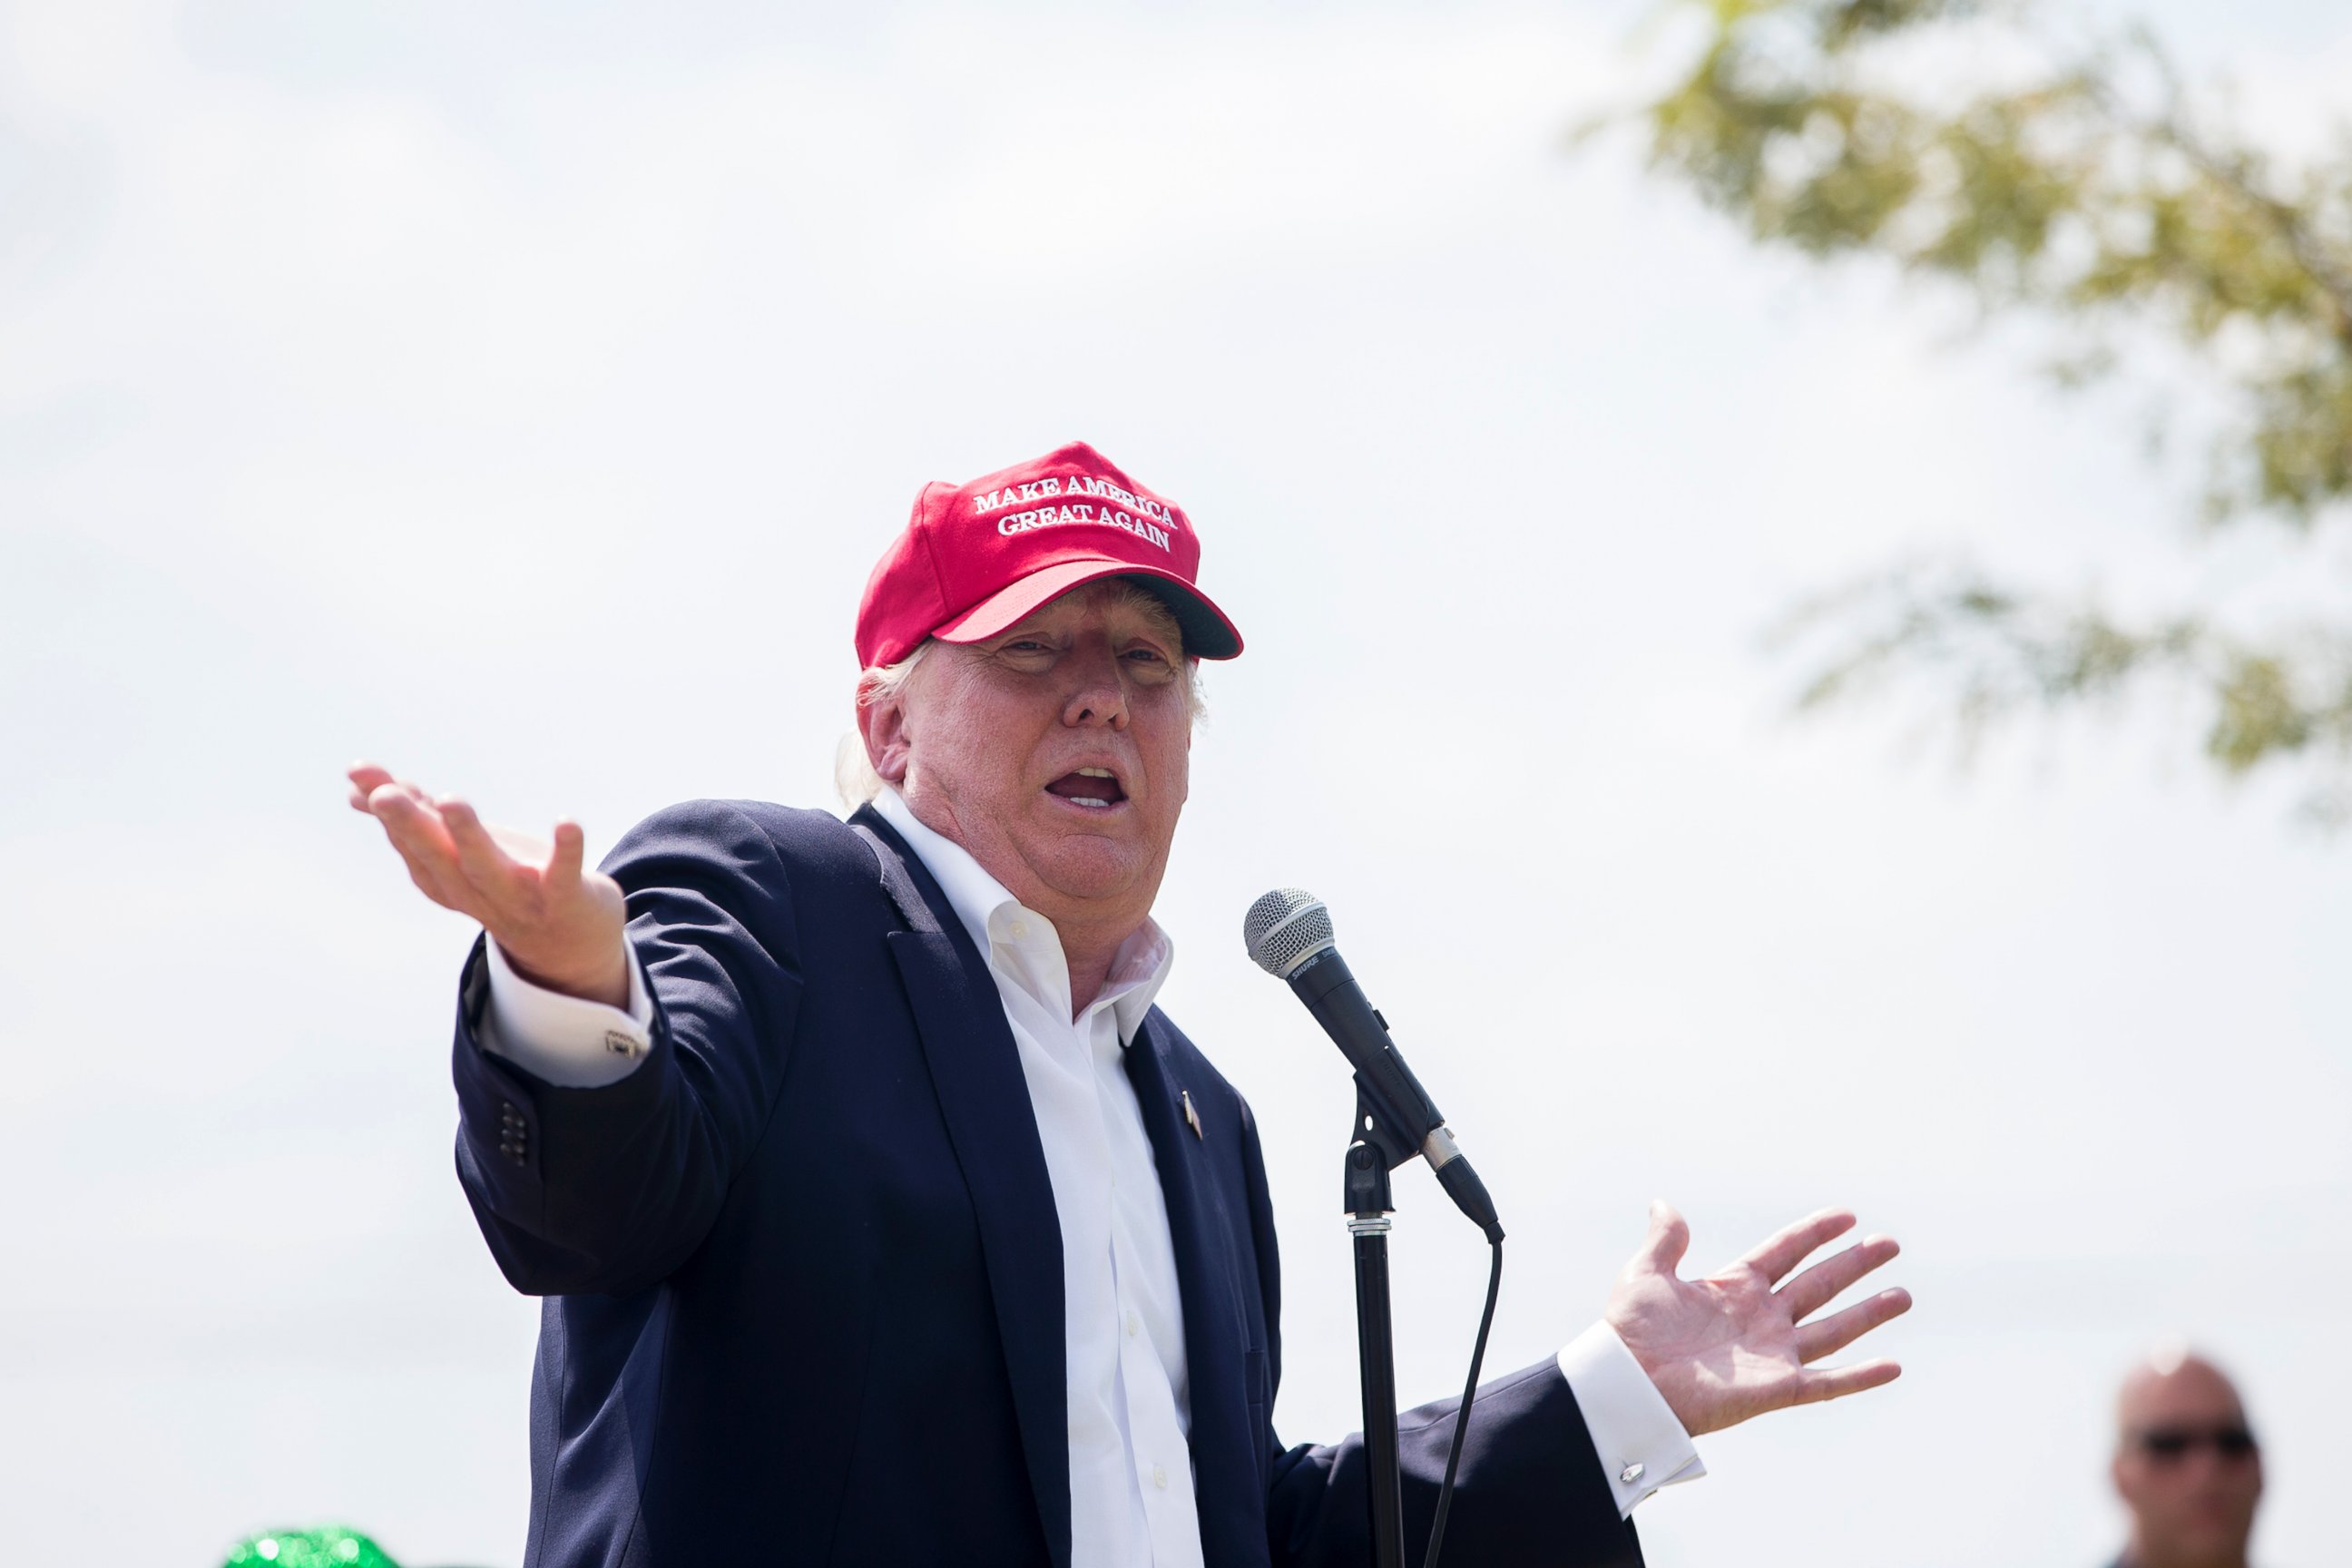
(1462, 1416)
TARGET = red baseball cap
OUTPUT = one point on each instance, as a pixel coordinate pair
(978, 558)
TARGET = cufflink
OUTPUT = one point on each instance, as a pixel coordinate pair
(1630, 1474)
(619, 1043)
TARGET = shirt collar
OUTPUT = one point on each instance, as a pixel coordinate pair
(988, 913)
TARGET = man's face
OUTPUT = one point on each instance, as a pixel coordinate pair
(1057, 754)
(2191, 1484)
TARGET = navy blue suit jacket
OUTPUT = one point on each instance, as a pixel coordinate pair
(803, 1272)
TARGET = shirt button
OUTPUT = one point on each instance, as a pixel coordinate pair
(1159, 1477)
(1133, 1324)
(1019, 930)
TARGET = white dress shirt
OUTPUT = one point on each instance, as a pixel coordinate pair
(1128, 1402)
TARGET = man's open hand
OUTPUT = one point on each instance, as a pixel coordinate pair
(558, 926)
(1728, 1346)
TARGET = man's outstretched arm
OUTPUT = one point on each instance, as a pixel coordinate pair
(1541, 1481)
(606, 1183)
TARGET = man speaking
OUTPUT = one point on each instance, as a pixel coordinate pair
(880, 1216)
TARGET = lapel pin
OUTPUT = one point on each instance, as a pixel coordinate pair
(1191, 1115)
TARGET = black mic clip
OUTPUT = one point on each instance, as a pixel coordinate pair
(1383, 1142)
(1378, 1148)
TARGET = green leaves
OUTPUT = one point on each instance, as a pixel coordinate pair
(1840, 26)
(2258, 712)
(2088, 192)
(1995, 652)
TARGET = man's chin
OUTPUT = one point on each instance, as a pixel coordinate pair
(1089, 866)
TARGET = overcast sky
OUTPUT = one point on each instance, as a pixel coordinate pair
(520, 394)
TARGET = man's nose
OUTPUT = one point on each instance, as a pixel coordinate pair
(2204, 1468)
(1099, 696)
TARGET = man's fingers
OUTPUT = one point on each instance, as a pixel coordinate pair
(366, 779)
(416, 831)
(564, 866)
(393, 791)
(1837, 1382)
(1785, 1248)
(1839, 1329)
(1819, 1286)
(407, 820)
(485, 865)
(1669, 1238)
(368, 782)
(450, 891)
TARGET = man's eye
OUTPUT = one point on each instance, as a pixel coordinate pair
(1149, 656)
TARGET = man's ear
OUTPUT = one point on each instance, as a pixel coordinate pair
(882, 725)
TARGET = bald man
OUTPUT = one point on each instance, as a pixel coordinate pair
(2186, 1465)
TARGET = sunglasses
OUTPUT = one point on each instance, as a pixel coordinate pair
(2169, 1445)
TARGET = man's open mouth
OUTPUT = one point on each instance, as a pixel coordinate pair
(1094, 788)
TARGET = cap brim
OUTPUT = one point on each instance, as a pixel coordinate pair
(1207, 633)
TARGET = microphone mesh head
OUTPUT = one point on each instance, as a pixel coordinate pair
(1284, 929)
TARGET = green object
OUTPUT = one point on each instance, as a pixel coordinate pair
(329, 1547)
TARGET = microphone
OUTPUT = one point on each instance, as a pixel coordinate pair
(1289, 936)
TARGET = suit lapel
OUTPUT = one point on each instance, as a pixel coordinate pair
(984, 1098)
(1224, 1465)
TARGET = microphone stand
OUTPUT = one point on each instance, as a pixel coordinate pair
(1376, 1151)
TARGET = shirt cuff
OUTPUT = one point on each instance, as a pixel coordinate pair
(566, 1040)
(1640, 1444)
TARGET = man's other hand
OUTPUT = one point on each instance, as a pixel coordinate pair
(558, 926)
(1728, 1346)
